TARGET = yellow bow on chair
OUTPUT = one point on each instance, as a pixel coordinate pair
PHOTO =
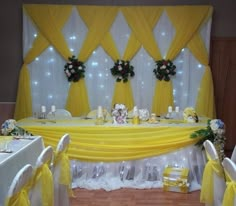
(207, 191)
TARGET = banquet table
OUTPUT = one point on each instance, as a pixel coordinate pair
(100, 152)
(21, 152)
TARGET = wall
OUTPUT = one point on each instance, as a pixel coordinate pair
(222, 51)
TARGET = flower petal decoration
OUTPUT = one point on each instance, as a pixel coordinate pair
(122, 70)
(164, 69)
(74, 69)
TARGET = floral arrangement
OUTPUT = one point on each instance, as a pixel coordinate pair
(190, 115)
(10, 128)
(164, 69)
(74, 69)
(215, 132)
(122, 70)
(119, 114)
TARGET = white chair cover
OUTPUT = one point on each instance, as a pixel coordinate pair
(17, 187)
(59, 114)
(61, 191)
(36, 194)
(218, 181)
(233, 156)
(230, 172)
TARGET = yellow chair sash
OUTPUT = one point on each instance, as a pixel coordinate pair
(207, 191)
(20, 198)
(43, 175)
(65, 175)
(229, 194)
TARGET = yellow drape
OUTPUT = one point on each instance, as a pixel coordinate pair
(207, 190)
(39, 13)
(123, 94)
(141, 20)
(229, 194)
(103, 143)
(50, 19)
(23, 106)
(77, 93)
(161, 103)
(20, 198)
(65, 174)
(99, 20)
(186, 20)
(205, 104)
(43, 176)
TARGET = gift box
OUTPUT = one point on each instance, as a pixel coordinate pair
(176, 179)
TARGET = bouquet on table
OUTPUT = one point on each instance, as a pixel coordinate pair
(10, 128)
(119, 114)
(190, 115)
(215, 132)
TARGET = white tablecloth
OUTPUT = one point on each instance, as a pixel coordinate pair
(24, 152)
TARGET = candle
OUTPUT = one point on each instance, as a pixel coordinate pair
(170, 109)
(99, 112)
(43, 109)
(53, 108)
(176, 109)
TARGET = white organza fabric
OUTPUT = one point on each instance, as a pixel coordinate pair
(143, 173)
(49, 85)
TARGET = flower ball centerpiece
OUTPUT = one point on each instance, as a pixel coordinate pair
(164, 70)
(122, 70)
(119, 114)
(74, 69)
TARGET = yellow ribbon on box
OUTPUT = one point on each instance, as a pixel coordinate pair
(178, 184)
(183, 172)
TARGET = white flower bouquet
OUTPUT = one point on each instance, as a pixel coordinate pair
(119, 114)
(10, 128)
(215, 132)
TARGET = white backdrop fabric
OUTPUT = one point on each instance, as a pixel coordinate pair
(49, 84)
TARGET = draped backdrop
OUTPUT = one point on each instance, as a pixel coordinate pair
(98, 36)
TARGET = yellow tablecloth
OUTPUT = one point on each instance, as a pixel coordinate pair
(109, 142)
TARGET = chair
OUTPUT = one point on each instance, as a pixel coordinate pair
(233, 156)
(59, 114)
(213, 182)
(230, 192)
(18, 191)
(42, 191)
(61, 173)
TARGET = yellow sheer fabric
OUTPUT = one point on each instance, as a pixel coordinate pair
(205, 104)
(47, 19)
(43, 176)
(103, 143)
(123, 94)
(77, 100)
(20, 198)
(161, 103)
(187, 20)
(230, 192)
(23, 106)
(65, 174)
(207, 190)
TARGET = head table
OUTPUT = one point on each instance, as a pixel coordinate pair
(111, 156)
